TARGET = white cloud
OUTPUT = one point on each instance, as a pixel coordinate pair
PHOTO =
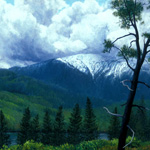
(35, 31)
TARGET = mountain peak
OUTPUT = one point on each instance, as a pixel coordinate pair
(94, 63)
(86, 63)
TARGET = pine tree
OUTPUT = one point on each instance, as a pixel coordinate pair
(35, 129)
(89, 126)
(47, 129)
(59, 128)
(114, 128)
(74, 129)
(4, 137)
(25, 127)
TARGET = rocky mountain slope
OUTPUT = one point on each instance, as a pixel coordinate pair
(87, 74)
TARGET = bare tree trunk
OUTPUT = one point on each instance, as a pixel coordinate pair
(128, 108)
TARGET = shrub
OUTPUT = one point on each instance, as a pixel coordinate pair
(135, 143)
(92, 145)
(66, 147)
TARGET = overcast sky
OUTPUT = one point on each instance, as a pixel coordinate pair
(31, 31)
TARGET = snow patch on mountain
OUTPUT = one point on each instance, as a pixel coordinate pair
(84, 62)
(94, 63)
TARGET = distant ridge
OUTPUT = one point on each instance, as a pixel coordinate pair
(87, 74)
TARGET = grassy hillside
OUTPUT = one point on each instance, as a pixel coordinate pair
(13, 106)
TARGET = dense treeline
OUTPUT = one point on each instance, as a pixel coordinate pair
(57, 132)
(78, 128)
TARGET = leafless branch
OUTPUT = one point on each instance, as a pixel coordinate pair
(123, 104)
(147, 51)
(141, 107)
(125, 58)
(144, 83)
(131, 43)
(124, 37)
(131, 138)
(123, 83)
(117, 115)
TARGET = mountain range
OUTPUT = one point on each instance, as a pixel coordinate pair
(90, 75)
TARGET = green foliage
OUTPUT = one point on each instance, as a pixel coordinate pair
(47, 129)
(25, 127)
(59, 128)
(89, 145)
(30, 145)
(108, 45)
(74, 129)
(92, 145)
(127, 52)
(86, 145)
(147, 35)
(4, 137)
(127, 11)
(66, 147)
(114, 128)
(135, 143)
(89, 125)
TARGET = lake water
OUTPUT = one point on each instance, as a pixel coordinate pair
(103, 136)
(13, 137)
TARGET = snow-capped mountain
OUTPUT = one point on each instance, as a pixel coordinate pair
(95, 64)
(87, 74)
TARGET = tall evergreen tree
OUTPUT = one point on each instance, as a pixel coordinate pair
(25, 127)
(114, 128)
(129, 13)
(47, 129)
(89, 126)
(35, 129)
(4, 137)
(59, 128)
(74, 129)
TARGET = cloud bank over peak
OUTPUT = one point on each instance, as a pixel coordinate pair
(36, 31)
